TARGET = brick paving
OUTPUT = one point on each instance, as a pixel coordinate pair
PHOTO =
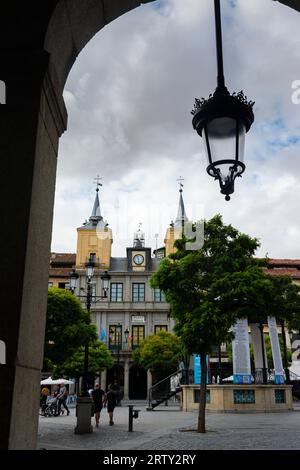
(167, 429)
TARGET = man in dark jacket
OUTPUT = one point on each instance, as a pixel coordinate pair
(98, 394)
(111, 403)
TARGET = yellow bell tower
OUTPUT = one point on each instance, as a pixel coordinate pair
(176, 228)
(94, 238)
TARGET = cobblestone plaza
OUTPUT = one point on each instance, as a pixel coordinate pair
(169, 429)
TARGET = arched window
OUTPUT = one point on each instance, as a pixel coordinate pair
(2, 92)
(2, 352)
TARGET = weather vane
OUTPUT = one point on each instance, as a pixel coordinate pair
(97, 182)
(180, 181)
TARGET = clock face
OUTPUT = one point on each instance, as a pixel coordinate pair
(138, 259)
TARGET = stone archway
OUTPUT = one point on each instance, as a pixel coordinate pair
(39, 44)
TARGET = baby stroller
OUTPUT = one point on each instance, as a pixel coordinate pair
(51, 408)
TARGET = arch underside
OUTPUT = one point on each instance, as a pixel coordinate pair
(74, 22)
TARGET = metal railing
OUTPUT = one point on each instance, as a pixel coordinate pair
(114, 348)
(168, 386)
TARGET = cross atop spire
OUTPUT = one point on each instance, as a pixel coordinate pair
(181, 215)
(96, 219)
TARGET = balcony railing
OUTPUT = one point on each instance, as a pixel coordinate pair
(125, 347)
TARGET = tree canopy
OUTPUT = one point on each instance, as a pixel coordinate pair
(284, 301)
(67, 328)
(100, 358)
(159, 353)
(209, 289)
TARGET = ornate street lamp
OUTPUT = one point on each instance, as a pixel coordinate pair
(84, 402)
(105, 283)
(222, 121)
(119, 340)
(89, 266)
(73, 280)
(126, 334)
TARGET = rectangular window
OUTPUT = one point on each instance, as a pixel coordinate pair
(92, 257)
(138, 292)
(159, 295)
(158, 328)
(116, 292)
(138, 335)
(115, 337)
(62, 285)
(50, 284)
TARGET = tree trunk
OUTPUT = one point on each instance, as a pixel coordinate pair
(202, 402)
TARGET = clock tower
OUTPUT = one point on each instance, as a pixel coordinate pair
(138, 256)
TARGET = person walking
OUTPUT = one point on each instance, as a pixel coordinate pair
(44, 395)
(111, 401)
(62, 397)
(98, 396)
(182, 372)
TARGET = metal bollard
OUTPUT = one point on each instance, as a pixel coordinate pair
(132, 414)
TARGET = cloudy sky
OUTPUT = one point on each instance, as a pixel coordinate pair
(129, 97)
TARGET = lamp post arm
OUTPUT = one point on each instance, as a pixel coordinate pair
(89, 296)
(86, 347)
(218, 24)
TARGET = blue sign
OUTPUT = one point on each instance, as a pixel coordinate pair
(197, 369)
(241, 379)
(279, 379)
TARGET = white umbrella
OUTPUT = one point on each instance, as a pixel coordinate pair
(50, 381)
(64, 381)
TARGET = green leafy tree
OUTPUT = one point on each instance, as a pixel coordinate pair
(209, 289)
(100, 358)
(159, 353)
(67, 328)
(284, 302)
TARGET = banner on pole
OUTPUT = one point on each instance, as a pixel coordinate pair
(197, 369)
(241, 353)
(276, 353)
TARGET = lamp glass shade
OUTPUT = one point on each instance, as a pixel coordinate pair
(89, 270)
(224, 141)
(105, 283)
(73, 282)
(126, 334)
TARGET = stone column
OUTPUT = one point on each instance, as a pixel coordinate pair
(31, 122)
(149, 382)
(260, 354)
(126, 379)
(103, 379)
(257, 346)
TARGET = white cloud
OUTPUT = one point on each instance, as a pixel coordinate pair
(129, 97)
